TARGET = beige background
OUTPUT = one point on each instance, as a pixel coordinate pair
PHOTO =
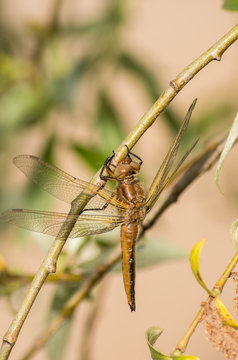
(170, 34)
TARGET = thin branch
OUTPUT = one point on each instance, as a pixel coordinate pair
(49, 264)
(214, 53)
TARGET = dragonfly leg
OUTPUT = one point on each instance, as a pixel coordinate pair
(103, 207)
(136, 156)
(106, 166)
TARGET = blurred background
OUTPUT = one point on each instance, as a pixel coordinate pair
(75, 78)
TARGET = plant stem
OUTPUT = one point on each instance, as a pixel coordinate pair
(182, 345)
(214, 53)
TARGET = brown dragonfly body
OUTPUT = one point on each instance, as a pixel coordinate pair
(131, 193)
(106, 210)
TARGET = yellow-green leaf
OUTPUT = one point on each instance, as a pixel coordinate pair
(232, 137)
(195, 264)
(3, 265)
(185, 357)
(234, 233)
(224, 314)
(152, 335)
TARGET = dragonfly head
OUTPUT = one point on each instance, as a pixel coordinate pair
(126, 167)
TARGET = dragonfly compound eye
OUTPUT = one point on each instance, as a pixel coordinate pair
(135, 166)
(122, 170)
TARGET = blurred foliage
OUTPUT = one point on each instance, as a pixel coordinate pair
(231, 5)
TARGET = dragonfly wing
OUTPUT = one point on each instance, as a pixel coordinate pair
(164, 174)
(50, 222)
(62, 185)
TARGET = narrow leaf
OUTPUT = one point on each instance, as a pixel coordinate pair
(195, 264)
(185, 357)
(155, 251)
(93, 156)
(56, 346)
(231, 5)
(152, 335)
(109, 122)
(234, 233)
(224, 314)
(3, 265)
(232, 137)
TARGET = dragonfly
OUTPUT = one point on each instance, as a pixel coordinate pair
(126, 206)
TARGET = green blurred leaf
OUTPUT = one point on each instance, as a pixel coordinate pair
(101, 248)
(185, 357)
(224, 314)
(92, 156)
(195, 264)
(234, 233)
(33, 195)
(57, 344)
(134, 66)
(108, 122)
(232, 137)
(152, 335)
(231, 5)
(111, 133)
(151, 85)
(155, 251)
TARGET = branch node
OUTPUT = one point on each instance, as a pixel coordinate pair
(10, 339)
(51, 268)
(217, 56)
(174, 85)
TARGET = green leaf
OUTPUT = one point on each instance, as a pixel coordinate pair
(155, 251)
(152, 335)
(58, 342)
(195, 264)
(94, 157)
(185, 357)
(231, 5)
(100, 248)
(224, 314)
(108, 122)
(234, 233)
(134, 66)
(232, 137)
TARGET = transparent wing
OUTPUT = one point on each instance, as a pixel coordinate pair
(166, 171)
(62, 185)
(45, 222)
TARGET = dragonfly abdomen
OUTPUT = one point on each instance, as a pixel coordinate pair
(129, 234)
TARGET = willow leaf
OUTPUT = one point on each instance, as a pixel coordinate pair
(232, 137)
(195, 264)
